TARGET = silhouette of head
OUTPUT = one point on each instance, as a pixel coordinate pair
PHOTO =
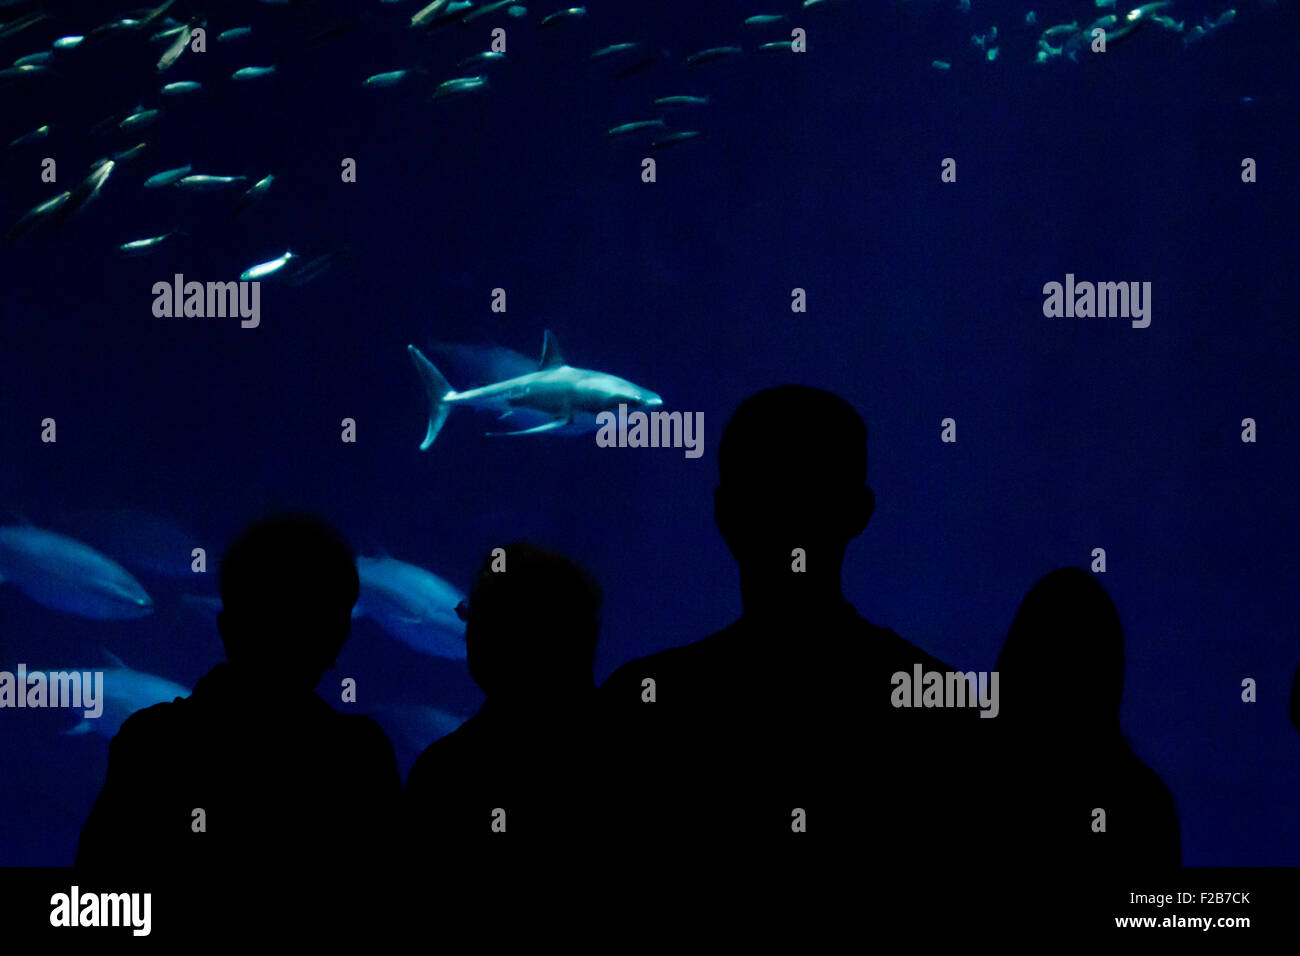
(288, 585)
(1061, 668)
(531, 628)
(793, 467)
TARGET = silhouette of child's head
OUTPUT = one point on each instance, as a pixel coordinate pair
(1062, 665)
(532, 626)
(288, 585)
(793, 468)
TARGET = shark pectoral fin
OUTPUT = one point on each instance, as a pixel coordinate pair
(81, 728)
(544, 427)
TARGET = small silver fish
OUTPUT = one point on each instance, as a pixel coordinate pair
(624, 129)
(485, 10)
(129, 154)
(252, 195)
(139, 119)
(28, 69)
(712, 53)
(36, 215)
(463, 84)
(263, 269)
(252, 72)
(202, 183)
(612, 49)
(137, 247)
(380, 80)
(184, 86)
(566, 14)
(481, 59)
(426, 15)
(34, 136)
(173, 52)
(166, 177)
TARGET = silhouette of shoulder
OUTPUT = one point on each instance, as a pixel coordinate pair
(845, 645)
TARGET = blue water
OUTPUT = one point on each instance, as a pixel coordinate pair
(818, 171)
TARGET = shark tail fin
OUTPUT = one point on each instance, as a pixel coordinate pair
(437, 389)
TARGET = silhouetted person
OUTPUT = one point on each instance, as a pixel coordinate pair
(526, 760)
(787, 712)
(1064, 756)
(289, 789)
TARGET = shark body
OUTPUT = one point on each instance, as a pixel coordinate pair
(68, 575)
(564, 398)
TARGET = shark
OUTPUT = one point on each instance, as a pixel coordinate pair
(564, 397)
(65, 574)
(125, 692)
(413, 605)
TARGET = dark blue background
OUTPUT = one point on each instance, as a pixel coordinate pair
(819, 171)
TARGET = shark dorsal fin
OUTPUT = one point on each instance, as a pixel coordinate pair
(551, 357)
(117, 661)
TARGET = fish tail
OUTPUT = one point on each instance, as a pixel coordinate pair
(437, 389)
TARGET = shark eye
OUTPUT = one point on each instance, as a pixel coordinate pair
(462, 610)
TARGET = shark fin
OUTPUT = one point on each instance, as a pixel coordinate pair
(544, 427)
(551, 357)
(437, 389)
(81, 728)
(117, 661)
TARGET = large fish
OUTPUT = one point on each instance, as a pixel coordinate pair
(145, 542)
(67, 575)
(126, 691)
(566, 398)
(413, 605)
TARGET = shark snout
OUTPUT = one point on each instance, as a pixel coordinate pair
(652, 399)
